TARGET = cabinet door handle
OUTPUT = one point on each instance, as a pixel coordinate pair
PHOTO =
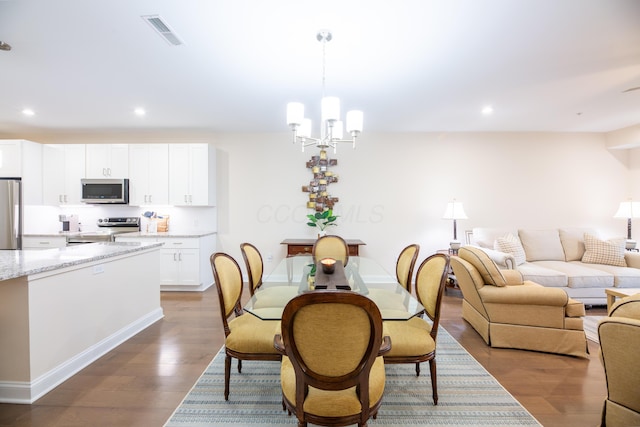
(186, 199)
(104, 172)
(180, 257)
(145, 198)
(150, 198)
(60, 198)
(174, 256)
(65, 198)
(109, 171)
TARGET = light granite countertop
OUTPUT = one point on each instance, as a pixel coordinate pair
(14, 263)
(194, 233)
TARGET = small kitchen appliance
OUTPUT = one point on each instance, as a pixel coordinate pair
(69, 223)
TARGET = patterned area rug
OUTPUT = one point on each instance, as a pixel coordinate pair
(468, 396)
(590, 324)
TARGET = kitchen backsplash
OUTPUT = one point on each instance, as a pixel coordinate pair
(44, 219)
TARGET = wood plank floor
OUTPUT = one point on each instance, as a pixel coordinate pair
(142, 381)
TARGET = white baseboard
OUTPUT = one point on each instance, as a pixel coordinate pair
(29, 392)
(185, 288)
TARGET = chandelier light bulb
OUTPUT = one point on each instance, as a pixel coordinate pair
(295, 113)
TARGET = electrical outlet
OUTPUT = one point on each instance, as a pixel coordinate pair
(269, 258)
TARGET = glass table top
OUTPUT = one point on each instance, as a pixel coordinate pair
(365, 276)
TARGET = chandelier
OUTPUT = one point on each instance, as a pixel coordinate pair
(331, 127)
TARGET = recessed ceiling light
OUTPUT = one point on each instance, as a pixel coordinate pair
(28, 112)
(139, 112)
(487, 110)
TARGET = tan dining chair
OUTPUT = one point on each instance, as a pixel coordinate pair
(246, 336)
(414, 340)
(405, 264)
(332, 371)
(331, 247)
(254, 264)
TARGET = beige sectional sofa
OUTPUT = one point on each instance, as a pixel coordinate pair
(573, 259)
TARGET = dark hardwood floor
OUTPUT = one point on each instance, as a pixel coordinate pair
(141, 382)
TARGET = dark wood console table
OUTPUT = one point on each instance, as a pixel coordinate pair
(304, 246)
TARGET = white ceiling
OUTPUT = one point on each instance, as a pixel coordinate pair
(410, 65)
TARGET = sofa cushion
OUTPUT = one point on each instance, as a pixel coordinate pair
(511, 244)
(579, 275)
(623, 277)
(600, 252)
(542, 245)
(572, 240)
(490, 273)
(544, 276)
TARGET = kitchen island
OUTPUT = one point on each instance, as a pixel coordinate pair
(61, 309)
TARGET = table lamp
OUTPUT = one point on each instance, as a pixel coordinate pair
(628, 210)
(455, 211)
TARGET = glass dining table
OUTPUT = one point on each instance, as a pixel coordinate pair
(364, 276)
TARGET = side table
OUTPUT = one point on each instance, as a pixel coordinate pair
(304, 246)
(452, 282)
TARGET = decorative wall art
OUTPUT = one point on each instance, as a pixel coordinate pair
(319, 197)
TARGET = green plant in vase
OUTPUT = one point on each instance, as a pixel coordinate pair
(322, 220)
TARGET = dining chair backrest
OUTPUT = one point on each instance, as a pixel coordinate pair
(228, 281)
(405, 264)
(331, 247)
(332, 339)
(431, 279)
(254, 264)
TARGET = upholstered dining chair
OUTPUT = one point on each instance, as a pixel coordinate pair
(331, 247)
(414, 340)
(255, 266)
(246, 336)
(404, 265)
(332, 371)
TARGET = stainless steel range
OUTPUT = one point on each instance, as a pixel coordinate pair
(108, 229)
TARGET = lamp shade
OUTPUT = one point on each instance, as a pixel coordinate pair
(455, 210)
(628, 209)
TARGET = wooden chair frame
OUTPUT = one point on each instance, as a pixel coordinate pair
(305, 376)
(406, 281)
(324, 240)
(255, 277)
(238, 311)
(435, 319)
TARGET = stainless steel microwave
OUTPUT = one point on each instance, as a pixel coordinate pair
(105, 191)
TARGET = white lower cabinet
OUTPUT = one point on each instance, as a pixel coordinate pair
(45, 242)
(184, 261)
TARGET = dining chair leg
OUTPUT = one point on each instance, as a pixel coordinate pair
(239, 366)
(418, 369)
(227, 376)
(434, 382)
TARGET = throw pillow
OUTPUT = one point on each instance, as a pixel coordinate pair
(511, 244)
(600, 252)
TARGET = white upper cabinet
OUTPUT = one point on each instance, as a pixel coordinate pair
(192, 175)
(63, 168)
(107, 161)
(148, 174)
(23, 159)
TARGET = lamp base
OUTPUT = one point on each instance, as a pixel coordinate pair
(455, 245)
(630, 244)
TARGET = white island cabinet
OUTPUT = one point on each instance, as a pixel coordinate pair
(62, 309)
(184, 258)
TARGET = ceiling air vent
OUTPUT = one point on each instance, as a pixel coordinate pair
(163, 29)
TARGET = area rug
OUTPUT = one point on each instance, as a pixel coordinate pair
(468, 395)
(590, 324)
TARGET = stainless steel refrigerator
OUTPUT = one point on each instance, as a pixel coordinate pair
(10, 213)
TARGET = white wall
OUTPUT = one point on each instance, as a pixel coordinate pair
(394, 187)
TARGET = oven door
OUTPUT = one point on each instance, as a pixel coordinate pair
(84, 238)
